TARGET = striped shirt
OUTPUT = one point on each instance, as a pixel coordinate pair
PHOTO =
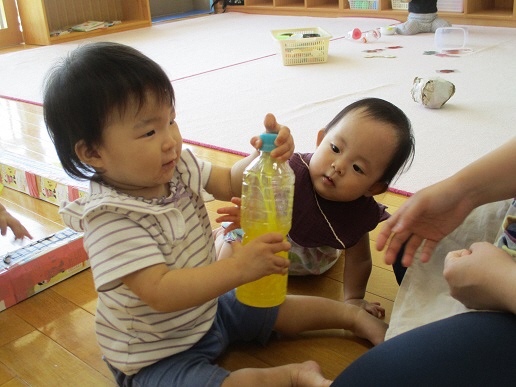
(124, 234)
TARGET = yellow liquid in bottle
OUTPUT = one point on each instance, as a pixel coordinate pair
(270, 290)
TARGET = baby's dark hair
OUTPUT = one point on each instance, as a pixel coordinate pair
(87, 87)
(388, 113)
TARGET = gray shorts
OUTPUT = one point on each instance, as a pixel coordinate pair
(195, 367)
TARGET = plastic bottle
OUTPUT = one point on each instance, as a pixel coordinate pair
(267, 199)
(363, 37)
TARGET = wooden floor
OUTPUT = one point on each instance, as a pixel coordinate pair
(49, 339)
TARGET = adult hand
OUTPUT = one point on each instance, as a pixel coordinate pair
(483, 277)
(434, 212)
(423, 220)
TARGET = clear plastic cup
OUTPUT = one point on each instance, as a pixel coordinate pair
(451, 38)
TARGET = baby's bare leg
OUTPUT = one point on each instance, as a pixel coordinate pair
(305, 313)
(307, 374)
(223, 249)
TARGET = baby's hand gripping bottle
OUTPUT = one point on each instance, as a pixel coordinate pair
(267, 199)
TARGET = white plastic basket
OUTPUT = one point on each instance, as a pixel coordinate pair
(398, 4)
(363, 4)
(297, 50)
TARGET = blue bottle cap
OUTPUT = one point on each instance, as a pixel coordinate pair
(268, 141)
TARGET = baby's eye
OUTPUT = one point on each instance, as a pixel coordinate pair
(149, 133)
(335, 149)
(356, 168)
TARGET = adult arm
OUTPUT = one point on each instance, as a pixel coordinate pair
(434, 212)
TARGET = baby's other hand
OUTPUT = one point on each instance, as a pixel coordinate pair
(230, 214)
(372, 308)
(258, 257)
(284, 142)
(9, 221)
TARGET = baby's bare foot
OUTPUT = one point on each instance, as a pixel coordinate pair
(370, 327)
(308, 374)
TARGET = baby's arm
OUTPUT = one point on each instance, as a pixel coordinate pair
(9, 221)
(357, 269)
(174, 290)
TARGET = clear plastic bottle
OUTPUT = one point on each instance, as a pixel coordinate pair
(267, 199)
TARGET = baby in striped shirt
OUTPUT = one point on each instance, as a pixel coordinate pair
(166, 306)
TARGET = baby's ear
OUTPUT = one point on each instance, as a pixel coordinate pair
(377, 189)
(320, 136)
(87, 154)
